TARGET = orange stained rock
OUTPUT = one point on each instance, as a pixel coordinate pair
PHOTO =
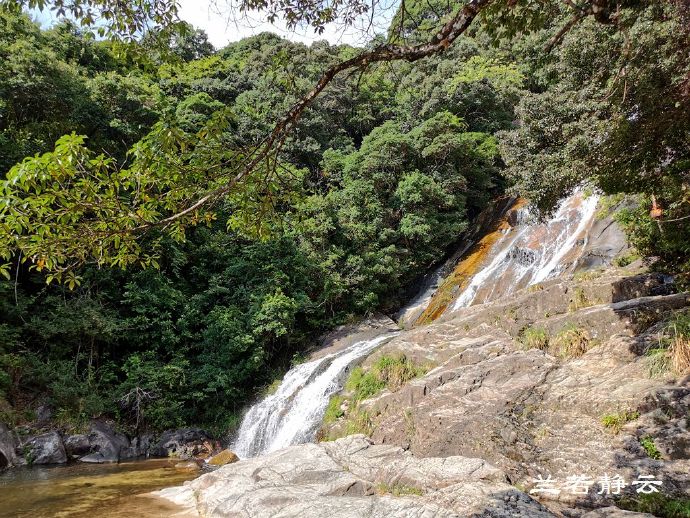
(468, 266)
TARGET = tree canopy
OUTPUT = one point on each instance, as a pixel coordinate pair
(201, 215)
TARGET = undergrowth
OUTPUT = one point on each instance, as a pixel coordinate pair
(387, 372)
(657, 504)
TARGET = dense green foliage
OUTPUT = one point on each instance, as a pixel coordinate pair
(612, 106)
(375, 183)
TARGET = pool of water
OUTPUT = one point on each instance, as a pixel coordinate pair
(94, 490)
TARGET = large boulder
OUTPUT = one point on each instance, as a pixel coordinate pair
(184, 443)
(8, 445)
(142, 445)
(77, 445)
(44, 449)
(107, 445)
(353, 478)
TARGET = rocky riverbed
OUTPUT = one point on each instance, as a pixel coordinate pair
(495, 424)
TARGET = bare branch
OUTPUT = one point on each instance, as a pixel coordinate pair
(558, 37)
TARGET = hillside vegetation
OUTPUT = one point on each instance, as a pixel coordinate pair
(375, 184)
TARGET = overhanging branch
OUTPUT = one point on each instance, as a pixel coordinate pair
(387, 52)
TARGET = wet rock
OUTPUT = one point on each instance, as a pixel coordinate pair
(605, 241)
(77, 445)
(107, 445)
(44, 449)
(184, 443)
(8, 444)
(346, 335)
(522, 256)
(353, 478)
(223, 458)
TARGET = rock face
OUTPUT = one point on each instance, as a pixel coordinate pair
(44, 449)
(491, 413)
(106, 445)
(101, 444)
(353, 478)
(533, 412)
(8, 445)
(77, 445)
(184, 443)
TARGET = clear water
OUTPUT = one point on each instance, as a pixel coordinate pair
(90, 490)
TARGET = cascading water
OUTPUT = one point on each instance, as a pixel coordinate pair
(531, 253)
(525, 254)
(294, 412)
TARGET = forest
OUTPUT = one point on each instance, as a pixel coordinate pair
(374, 185)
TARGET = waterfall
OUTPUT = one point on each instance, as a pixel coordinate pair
(294, 412)
(524, 254)
(531, 253)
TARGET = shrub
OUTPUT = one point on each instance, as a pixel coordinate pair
(657, 504)
(679, 351)
(626, 259)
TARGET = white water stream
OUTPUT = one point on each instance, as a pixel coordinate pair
(294, 412)
(525, 255)
(531, 253)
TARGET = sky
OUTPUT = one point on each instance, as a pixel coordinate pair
(223, 29)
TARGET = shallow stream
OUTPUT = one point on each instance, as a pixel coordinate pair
(94, 490)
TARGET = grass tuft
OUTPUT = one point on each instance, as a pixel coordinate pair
(678, 331)
(579, 300)
(534, 338)
(398, 490)
(334, 410)
(614, 422)
(626, 259)
(387, 373)
(571, 342)
(647, 443)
